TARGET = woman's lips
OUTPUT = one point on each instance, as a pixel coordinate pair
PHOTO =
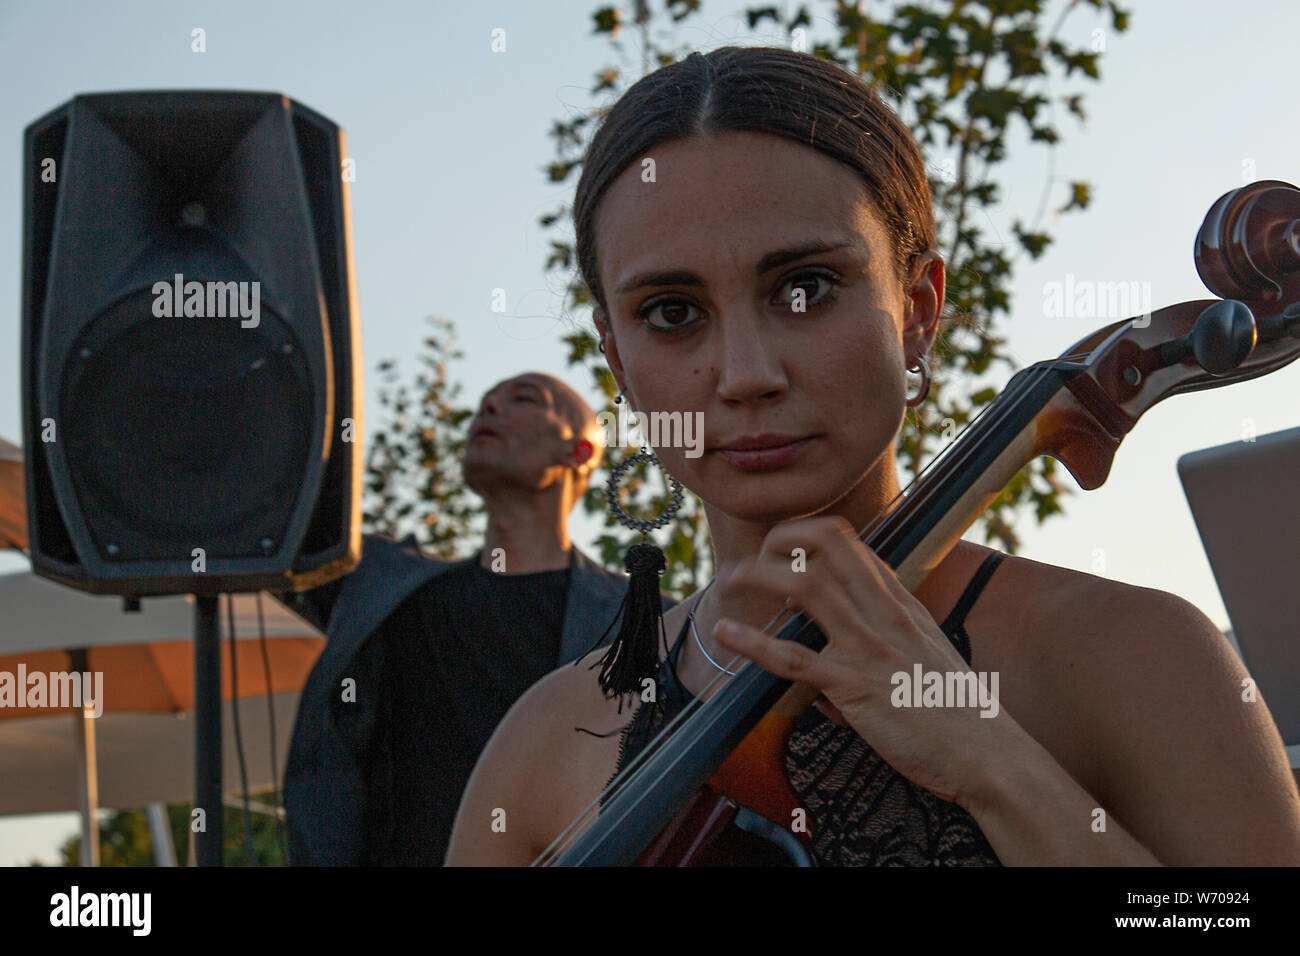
(766, 459)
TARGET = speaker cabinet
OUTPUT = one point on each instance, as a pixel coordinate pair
(191, 360)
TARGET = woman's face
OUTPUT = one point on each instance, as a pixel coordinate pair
(752, 281)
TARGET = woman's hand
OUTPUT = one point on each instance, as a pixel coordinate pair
(875, 628)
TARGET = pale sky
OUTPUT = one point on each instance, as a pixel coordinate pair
(450, 140)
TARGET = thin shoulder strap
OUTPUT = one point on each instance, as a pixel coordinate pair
(668, 666)
(681, 636)
(968, 597)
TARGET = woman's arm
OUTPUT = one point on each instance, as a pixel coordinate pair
(1186, 771)
(1186, 768)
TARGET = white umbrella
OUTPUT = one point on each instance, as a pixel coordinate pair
(142, 758)
(146, 660)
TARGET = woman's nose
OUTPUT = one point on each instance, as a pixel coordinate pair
(750, 363)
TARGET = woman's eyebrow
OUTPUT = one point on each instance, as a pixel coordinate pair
(779, 258)
(769, 262)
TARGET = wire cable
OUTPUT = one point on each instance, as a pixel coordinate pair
(270, 718)
(239, 738)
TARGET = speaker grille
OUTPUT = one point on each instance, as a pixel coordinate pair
(185, 433)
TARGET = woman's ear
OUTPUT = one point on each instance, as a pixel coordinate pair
(608, 345)
(923, 304)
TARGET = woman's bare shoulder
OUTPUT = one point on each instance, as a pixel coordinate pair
(570, 695)
(541, 729)
(1077, 605)
(1063, 639)
(538, 768)
(1092, 652)
(1160, 709)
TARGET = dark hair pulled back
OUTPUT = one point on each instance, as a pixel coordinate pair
(768, 90)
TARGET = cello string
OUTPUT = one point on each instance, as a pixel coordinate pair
(632, 772)
(614, 785)
(1031, 382)
(629, 774)
(566, 836)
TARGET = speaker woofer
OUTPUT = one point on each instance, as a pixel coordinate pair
(185, 430)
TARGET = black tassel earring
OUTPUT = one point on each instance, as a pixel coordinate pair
(633, 656)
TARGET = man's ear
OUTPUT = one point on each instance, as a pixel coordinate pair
(583, 461)
(583, 452)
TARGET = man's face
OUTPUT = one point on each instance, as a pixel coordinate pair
(521, 435)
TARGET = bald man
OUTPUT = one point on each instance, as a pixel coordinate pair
(529, 454)
(425, 657)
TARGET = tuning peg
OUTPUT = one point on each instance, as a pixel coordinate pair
(1223, 338)
(1287, 322)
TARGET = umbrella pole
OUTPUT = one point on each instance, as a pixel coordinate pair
(207, 729)
(87, 775)
(88, 790)
(160, 835)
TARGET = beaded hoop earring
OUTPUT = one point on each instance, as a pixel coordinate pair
(643, 525)
(633, 655)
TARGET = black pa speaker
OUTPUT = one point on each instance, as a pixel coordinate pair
(191, 350)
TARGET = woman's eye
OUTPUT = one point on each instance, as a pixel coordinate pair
(810, 288)
(666, 315)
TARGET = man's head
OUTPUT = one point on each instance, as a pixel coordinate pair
(533, 432)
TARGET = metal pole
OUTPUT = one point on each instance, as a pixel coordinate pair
(160, 834)
(87, 777)
(207, 729)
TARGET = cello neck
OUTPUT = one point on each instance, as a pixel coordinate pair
(918, 529)
(912, 535)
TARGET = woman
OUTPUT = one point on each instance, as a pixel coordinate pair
(756, 229)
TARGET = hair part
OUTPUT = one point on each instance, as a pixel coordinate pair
(767, 90)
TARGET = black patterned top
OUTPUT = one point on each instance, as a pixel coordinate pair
(866, 812)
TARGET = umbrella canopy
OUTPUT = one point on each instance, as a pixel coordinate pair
(145, 656)
(40, 615)
(141, 749)
(159, 676)
(13, 508)
(141, 758)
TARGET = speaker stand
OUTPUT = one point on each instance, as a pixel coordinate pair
(207, 729)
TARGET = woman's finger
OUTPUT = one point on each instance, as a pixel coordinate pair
(840, 618)
(782, 658)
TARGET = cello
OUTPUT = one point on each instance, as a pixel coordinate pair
(713, 780)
